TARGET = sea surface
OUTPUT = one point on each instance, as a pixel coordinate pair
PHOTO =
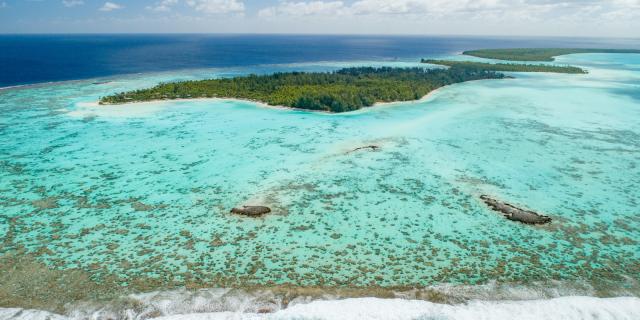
(28, 59)
(122, 212)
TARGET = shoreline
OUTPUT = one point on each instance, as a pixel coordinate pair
(422, 99)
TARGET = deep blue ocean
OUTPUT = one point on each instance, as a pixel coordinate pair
(27, 59)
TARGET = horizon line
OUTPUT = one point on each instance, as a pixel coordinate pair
(314, 34)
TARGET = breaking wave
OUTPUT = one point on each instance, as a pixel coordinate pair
(484, 302)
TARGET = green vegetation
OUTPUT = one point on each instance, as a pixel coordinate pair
(505, 67)
(537, 54)
(344, 90)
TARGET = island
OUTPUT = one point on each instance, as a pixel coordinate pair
(537, 54)
(339, 91)
(506, 67)
(354, 88)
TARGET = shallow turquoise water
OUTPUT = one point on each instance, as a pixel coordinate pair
(145, 190)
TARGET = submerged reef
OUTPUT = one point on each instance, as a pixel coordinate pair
(138, 200)
(514, 213)
(370, 147)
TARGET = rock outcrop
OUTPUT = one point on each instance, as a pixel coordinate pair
(514, 213)
(251, 211)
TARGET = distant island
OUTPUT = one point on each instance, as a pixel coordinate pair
(506, 67)
(537, 54)
(340, 91)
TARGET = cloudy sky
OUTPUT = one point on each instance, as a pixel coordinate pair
(613, 18)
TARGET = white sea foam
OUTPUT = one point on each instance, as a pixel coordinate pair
(564, 308)
(23, 314)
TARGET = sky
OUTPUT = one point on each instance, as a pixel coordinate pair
(587, 18)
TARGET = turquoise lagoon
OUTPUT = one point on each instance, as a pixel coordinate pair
(143, 191)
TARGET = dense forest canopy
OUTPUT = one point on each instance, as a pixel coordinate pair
(537, 54)
(505, 67)
(340, 91)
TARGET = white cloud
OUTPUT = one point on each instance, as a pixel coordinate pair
(217, 6)
(72, 3)
(624, 9)
(325, 8)
(110, 6)
(377, 7)
(423, 6)
(205, 6)
(163, 6)
(523, 10)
